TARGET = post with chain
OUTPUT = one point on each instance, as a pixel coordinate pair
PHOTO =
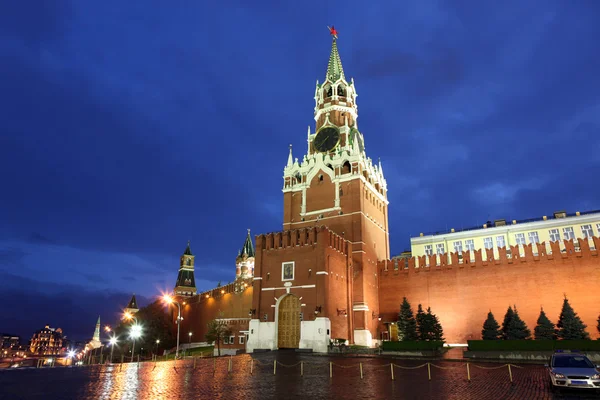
(510, 373)
(330, 369)
(468, 373)
(301, 368)
(361, 372)
(392, 370)
(429, 370)
(274, 367)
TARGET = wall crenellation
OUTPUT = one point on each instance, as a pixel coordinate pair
(301, 237)
(515, 254)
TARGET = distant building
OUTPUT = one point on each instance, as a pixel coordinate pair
(47, 341)
(10, 341)
(502, 234)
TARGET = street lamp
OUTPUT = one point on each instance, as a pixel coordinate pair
(134, 333)
(169, 300)
(157, 342)
(112, 341)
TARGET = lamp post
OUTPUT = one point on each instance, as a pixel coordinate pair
(112, 341)
(134, 333)
(157, 342)
(169, 300)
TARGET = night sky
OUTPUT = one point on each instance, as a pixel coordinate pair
(129, 128)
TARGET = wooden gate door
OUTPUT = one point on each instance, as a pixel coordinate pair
(288, 326)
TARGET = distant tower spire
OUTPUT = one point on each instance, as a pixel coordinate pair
(289, 164)
(132, 306)
(96, 337)
(245, 259)
(186, 283)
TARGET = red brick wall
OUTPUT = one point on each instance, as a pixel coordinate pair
(199, 310)
(462, 294)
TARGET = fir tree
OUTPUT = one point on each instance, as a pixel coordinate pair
(507, 321)
(421, 324)
(570, 326)
(545, 329)
(491, 329)
(407, 325)
(437, 333)
(517, 329)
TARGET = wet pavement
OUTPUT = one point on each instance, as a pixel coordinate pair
(210, 379)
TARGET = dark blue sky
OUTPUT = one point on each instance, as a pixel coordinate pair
(128, 128)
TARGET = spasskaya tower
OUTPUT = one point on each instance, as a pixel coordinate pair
(336, 185)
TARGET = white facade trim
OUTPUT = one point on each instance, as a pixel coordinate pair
(325, 210)
(291, 287)
(339, 216)
(360, 307)
(322, 273)
(258, 278)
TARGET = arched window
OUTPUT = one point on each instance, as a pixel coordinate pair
(329, 91)
(346, 168)
(341, 91)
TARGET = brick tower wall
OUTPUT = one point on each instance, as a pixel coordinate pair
(321, 259)
(461, 294)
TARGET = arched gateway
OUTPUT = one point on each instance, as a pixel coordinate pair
(288, 323)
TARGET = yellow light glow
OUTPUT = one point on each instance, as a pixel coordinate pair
(168, 299)
(222, 291)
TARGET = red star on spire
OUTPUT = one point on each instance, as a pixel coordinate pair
(332, 31)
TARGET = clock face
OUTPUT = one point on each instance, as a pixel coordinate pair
(327, 138)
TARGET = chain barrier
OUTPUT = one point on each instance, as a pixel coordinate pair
(368, 363)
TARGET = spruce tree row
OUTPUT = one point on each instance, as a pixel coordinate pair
(424, 327)
(569, 326)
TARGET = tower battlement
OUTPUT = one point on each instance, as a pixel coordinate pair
(301, 237)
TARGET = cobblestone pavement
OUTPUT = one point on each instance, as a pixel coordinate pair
(210, 379)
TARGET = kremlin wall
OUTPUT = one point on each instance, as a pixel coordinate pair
(461, 294)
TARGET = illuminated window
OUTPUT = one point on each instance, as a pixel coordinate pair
(569, 233)
(587, 231)
(470, 245)
(554, 235)
(500, 241)
(439, 248)
(428, 250)
(488, 243)
(533, 237)
(242, 339)
(520, 238)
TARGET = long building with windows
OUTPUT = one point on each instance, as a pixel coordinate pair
(505, 234)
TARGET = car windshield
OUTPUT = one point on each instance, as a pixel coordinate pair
(572, 362)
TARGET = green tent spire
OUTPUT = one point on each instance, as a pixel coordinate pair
(248, 248)
(188, 250)
(335, 70)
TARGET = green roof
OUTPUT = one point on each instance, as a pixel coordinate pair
(248, 248)
(188, 251)
(335, 70)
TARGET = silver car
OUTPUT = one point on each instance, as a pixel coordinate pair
(573, 370)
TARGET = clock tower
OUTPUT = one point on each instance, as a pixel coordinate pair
(336, 185)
